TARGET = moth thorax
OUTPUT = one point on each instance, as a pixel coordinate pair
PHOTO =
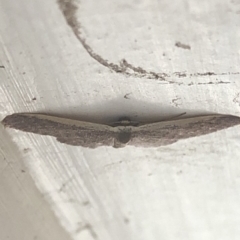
(124, 136)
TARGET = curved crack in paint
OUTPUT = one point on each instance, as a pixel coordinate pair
(69, 9)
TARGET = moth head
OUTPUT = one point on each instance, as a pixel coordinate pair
(125, 121)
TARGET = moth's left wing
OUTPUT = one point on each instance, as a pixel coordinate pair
(71, 132)
(168, 132)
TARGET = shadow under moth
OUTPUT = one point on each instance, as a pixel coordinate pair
(125, 132)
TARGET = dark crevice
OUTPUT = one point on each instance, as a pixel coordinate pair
(69, 9)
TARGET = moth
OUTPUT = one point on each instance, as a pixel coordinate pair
(122, 133)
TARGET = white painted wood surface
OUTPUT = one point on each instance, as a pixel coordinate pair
(188, 58)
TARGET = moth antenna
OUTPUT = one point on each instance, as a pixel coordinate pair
(177, 116)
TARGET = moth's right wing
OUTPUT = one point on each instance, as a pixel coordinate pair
(68, 131)
(168, 132)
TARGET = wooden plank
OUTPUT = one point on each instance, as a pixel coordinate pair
(101, 60)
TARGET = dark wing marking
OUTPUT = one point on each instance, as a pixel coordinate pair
(168, 132)
(66, 131)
